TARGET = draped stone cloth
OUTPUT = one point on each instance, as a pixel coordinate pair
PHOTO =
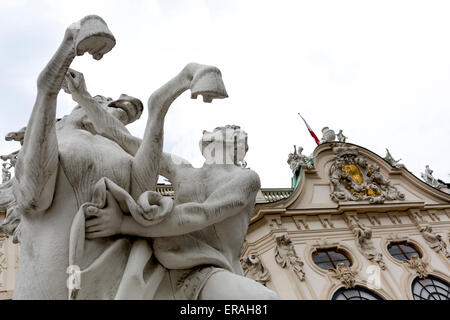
(125, 268)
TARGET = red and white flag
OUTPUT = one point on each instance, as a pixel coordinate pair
(311, 132)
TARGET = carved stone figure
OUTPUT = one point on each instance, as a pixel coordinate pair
(395, 163)
(6, 175)
(286, 257)
(434, 240)
(353, 178)
(328, 135)
(418, 265)
(83, 193)
(255, 269)
(365, 243)
(344, 274)
(427, 176)
(14, 136)
(340, 136)
(297, 160)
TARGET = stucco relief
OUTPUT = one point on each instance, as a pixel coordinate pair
(418, 265)
(344, 274)
(434, 240)
(365, 244)
(286, 257)
(254, 268)
(353, 178)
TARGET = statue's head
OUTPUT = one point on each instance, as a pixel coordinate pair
(127, 109)
(224, 145)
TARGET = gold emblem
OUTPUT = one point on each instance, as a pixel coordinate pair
(354, 173)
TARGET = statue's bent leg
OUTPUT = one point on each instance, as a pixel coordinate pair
(225, 285)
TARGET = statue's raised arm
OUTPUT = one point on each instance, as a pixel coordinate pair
(200, 79)
(37, 162)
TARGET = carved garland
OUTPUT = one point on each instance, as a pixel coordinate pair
(354, 179)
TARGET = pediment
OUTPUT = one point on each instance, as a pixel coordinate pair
(346, 175)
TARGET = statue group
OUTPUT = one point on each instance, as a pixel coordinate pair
(83, 203)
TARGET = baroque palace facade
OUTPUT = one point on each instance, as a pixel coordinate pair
(353, 226)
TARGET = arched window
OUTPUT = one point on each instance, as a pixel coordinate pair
(430, 288)
(357, 293)
(403, 250)
(330, 258)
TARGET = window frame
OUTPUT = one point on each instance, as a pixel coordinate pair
(359, 289)
(405, 255)
(418, 281)
(330, 260)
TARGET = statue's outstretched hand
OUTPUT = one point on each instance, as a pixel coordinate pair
(103, 222)
(75, 85)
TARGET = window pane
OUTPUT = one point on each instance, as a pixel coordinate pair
(357, 293)
(411, 254)
(325, 265)
(409, 249)
(320, 257)
(394, 250)
(430, 288)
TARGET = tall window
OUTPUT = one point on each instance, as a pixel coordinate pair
(403, 250)
(357, 293)
(330, 258)
(430, 288)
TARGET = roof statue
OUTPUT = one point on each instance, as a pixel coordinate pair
(395, 163)
(83, 202)
(6, 175)
(328, 135)
(427, 176)
(340, 136)
(297, 160)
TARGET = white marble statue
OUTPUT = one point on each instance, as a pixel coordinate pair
(91, 225)
(390, 159)
(297, 160)
(328, 135)
(340, 136)
(6, 175)
(427, 176)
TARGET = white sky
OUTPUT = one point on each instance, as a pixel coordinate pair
(379, 70)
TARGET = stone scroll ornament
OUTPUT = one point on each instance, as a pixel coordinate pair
(286, 257)
(255, 269)
(353, 178)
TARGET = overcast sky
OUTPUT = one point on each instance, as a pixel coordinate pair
(379, 70)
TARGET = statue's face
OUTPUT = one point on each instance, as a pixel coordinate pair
(224, 144)
(123, 109)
